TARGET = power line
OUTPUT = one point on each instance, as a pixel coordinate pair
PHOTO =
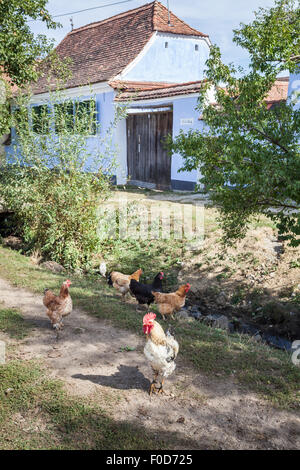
(87, 9)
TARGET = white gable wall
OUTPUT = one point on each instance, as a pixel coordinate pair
(179, 62)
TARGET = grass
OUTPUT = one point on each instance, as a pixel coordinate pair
(256, 366)
(38, 413)
(151, 256)
(12, 323)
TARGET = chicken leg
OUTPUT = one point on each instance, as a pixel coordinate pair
(161, 390)
(152, 386)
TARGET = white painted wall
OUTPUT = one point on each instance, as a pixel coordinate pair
(177, 63)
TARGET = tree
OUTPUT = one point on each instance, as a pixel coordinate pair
(20, 50)
(249, 154)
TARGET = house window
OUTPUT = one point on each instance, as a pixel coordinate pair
(166, 45)
(77, 118)
(196, 47)
(64, 117)
(40, 119)
(85, 117)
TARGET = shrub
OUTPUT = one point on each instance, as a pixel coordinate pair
(53, 183)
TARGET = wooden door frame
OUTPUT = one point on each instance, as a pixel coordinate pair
(144, 110)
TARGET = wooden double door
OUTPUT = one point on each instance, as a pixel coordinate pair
(148, 161)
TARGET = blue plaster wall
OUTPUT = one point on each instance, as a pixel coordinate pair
(178, 63)
(105, 115)
(184, 108)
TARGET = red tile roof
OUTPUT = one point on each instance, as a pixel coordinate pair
(99, 51)
(143, 92)
(137, 91)
(122, 85)
(278, 92)
(13, 88)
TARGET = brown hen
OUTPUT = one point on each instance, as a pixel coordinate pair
(170, 303)
(58, 306)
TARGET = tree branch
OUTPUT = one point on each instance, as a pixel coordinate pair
(270, 139)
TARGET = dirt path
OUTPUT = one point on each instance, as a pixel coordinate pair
(204, 412)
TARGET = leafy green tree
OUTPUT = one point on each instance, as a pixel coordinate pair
(249, 154)
(20, 49)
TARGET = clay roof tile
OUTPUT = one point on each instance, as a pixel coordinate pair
(101, 50)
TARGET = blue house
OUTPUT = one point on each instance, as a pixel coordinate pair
(153, 60)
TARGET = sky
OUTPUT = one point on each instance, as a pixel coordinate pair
(217, 18)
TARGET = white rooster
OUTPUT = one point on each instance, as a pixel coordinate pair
(161, 350)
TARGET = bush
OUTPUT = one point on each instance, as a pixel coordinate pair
(52, 183)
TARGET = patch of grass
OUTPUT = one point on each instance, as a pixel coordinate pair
(151, 255)
(258, 367)
(262, 221)
(295, 264)
(12, 323)
(238, 296)
(38, 413)
(267, 371)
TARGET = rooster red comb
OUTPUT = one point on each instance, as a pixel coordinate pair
(149, 317)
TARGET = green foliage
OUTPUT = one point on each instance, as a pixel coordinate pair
(19, 48)
(248, 154)
(39, 414)
(53, 183)
(24, 56)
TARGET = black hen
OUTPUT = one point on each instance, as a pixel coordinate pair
(142, 292)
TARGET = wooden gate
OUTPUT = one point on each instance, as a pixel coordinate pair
(148, 162)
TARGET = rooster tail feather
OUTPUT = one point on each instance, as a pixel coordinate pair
(109, 281)
(45, 290)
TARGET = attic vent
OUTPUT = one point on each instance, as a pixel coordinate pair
(196, 47)
(166, 45)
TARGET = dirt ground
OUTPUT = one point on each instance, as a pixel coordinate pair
(94, 359)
